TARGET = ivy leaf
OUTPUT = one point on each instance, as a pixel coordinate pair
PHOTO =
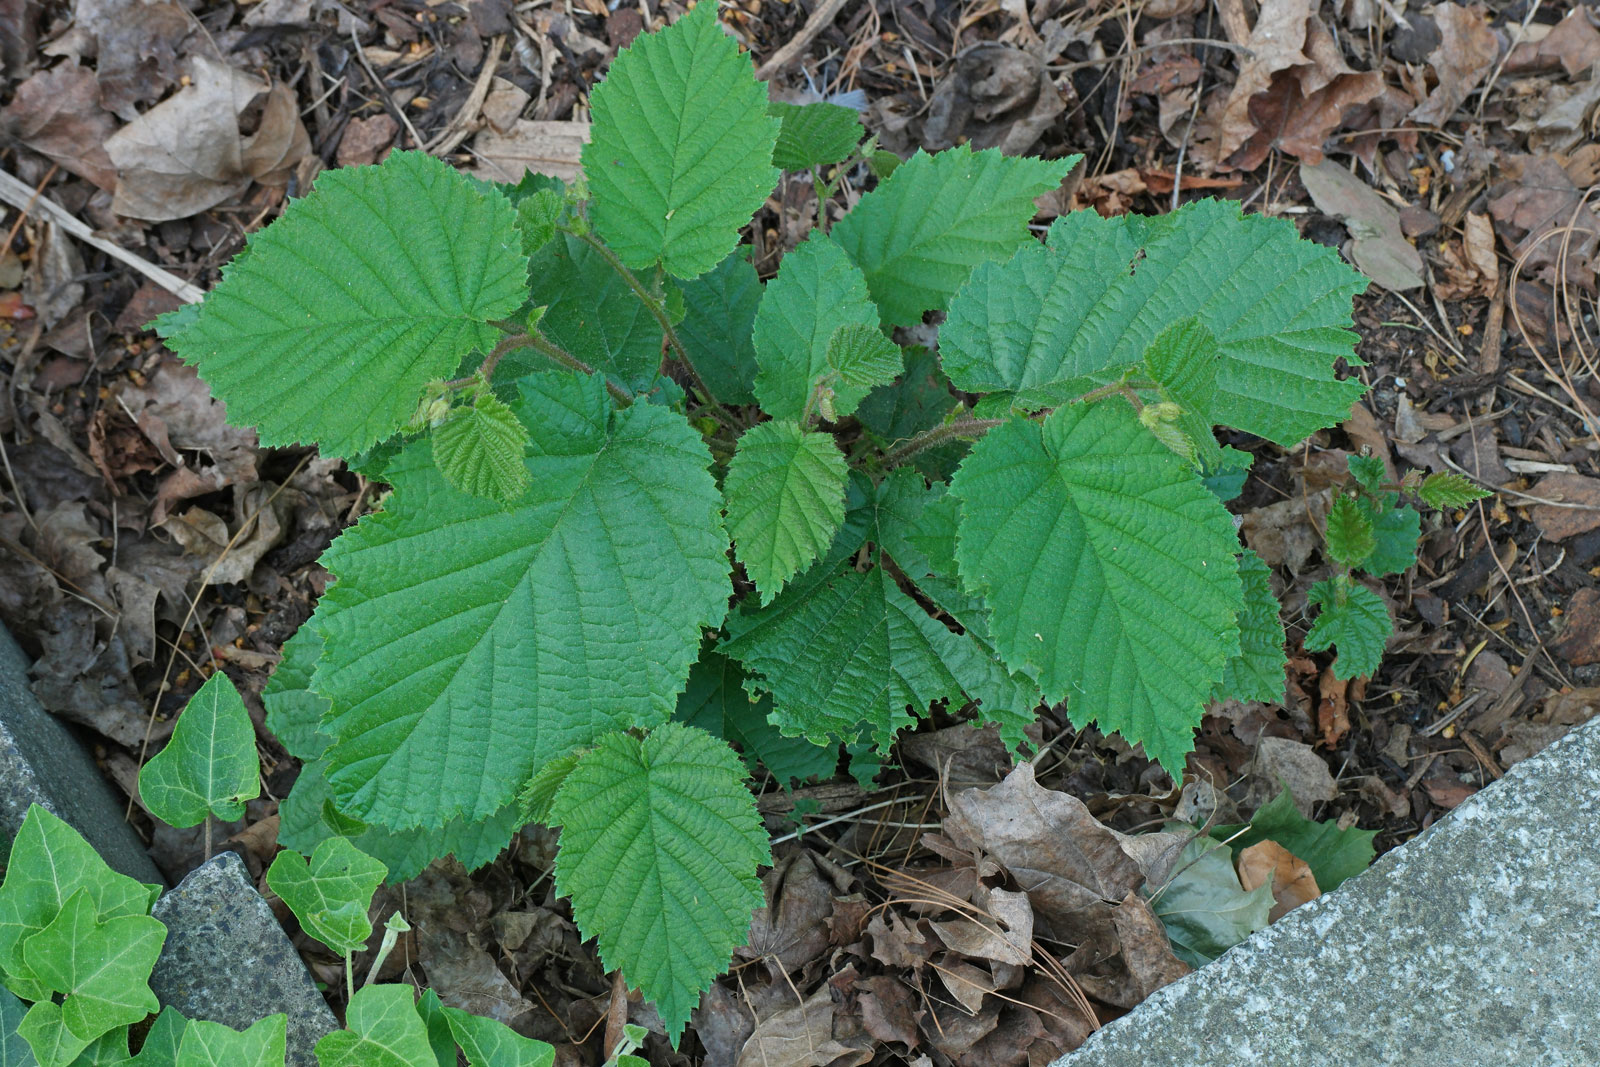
(785, 501)
(49, 863)
(719, 312)
(491, 1043)
(1183, 360)
(468, 644)
(209, 1044)
(1395, 530)
(439, 1035)
(1256, 672)
(1204, 908)
(479, 450)
(382, 1029)
(378, 282)
(1127, 598)
(817, 290)
(209, 766)
(162, 1042)
(1352, 617)
(14, 1051)
(680, 155)
(921, 231)
(864, 359)
(1447, 490)
(1349, 532)
(332, 895)
(1056, 320)
(716, 701)
(815, 134)
(294, 712)
(660, 841)
(45, 1030)
(1334, 855)
(110, 1049)
(102, 968)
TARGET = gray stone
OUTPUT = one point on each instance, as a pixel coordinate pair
(42, 763)
(226, 959)
(1472, 945)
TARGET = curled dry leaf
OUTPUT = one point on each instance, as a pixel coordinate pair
(995, 96)
(1292, 881)
(57, 113)
(1572, 45)
(1470, 268)
(801, 1036)
(1466, 54)
(135, 45)
(1377, 246)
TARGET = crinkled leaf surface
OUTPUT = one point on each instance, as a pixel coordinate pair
(49, 862)
(1395, 530)
(1109, 568)
(294, 712)
(1349, 532)
(102, 968)
(1333, 855)
(1256, 672)
(468, 643)
(331, 894)
(1204, 908)
(1056, 319)
(209, 766)
(918, 235)
(479, 448)
(716, 701)
(785, 493)
(382, 1029)
(1183, 359)
(863, 358)
(1447, 490)
(680, 154)
(814, 134)
(590, 312)
(491, 1043)
(1355, 619)
(660, 841)
(209, 1044)
(379, 281)
(719, 312)
(817, 290)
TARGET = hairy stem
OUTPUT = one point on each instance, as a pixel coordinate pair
(929, 438)
(541, 344)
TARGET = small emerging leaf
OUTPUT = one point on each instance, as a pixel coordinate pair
(1350, 539)
(1184, 359)
(1354, 618)
(331, 896)
(863, 357)
(537, 216)
(209, 1044)
(540, 792)
(480, 448)
(1395, 530)
(1448, 490)
(785, 501)
(815, 134)
(1369, 471)
(210, 766)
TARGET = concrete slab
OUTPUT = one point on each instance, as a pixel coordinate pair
(1478, 943)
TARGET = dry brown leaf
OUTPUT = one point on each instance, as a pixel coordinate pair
(57, 113)
(996, 95)
(1377, 247)
(1579, 643)
(135, 45)
(1292, 881)
(1274, 44)
(792, 927)
(553, 148)
(1285, 534)
(1560, 523)
(1298, 767)
(801, 1036)
(1146, 949)
(1466, 54)
(1306, 105)
(1004, 935)
(1364, 432)
(1572, 45)
(1333, 709)
(963, 755)
(889, 1010)
(1469, 266)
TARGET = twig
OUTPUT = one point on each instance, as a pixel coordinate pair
(825, 13)
(616, 1014)
(383, 91)
(459, 128)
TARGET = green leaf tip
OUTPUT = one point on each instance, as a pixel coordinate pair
(815, 134)
(479, 450)
(785, 500)
(1449, 490)
(209, 766)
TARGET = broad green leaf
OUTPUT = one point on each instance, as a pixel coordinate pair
(918, 235)
(719, 312)
(101, 968)
(1183, 360)
(660, 841)
(467, 643)
(1056, 320)
(1204, 908)
(163, 1041)
(590, 312)
(110, 1049)
(785, 501)
(14, 1051)
(817, 290)
(442, 1040)
(45, 1030)
(1349, 532)
(479, 450)
(863, 358)
(309, 817)
(331, 895)
(1333, 855)
(1447, 490)
(540, 792)
(715, 700)
(49, 863)
(378, 282)
(681, 150)
(815, 134)
(1368, 471)
(491, 1043)
(919, 400)
(1355, 619)
(209, 766)
(382, 1029)
(1256, 672)
(1395, 530)
(209, 1044)
(294, 712)
(1110, 570)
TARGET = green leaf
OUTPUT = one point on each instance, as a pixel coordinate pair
(918, 235)
(479, 450)
(1183, 360)
(14, 1051)
(1256, 672)
(537, 216)
(45, 1030)
(101, 968)
(660, 841)
(294, 712)
(378, 282)
(491, 1043)
(590, 312)
(863, 358)
(785, 501)
(468, 644)
(715, 701)
(440, 1037)
(332, 895)
(209, 766)
(1204, 908)
(110, 1049)
(680, 155)
(1395, 530)
(1109, 568)
(1447, 490)
(49, 863)
(383, 1029)
(163, 1041)
(1057, 320)
(817, 290)
(1333, 855)
(209, 1044)
(1368, 471)
(1354, 618)
(918, 401)
(814, 135)
(540, 792)
(719, 312)
(1349, 532)
(1227, 478)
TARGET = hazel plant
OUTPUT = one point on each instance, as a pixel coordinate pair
(581, 395)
